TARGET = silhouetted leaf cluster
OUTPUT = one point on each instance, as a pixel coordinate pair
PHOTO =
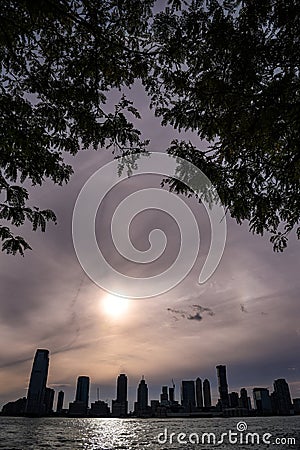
(230, 72)
(227, 70)
(59, 59)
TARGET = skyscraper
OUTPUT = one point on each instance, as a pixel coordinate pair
(164, 397)
(82, 390)
(122, 388)
(244, 402)
(199, 396)
(49, 399)
(223, 386)
(38, 379)
(188, 395)
(296, 405)
(60, 401)
(171, 394)
(120, 405)
(283, 397)
(79, 407)
(262, 400)
(141, 405)
(206, 393)
(234, 400)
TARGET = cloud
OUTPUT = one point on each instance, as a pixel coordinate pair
(194, 317)
(195, 314)
(202, 309)
(243, 309)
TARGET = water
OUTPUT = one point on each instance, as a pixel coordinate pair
(136, 434)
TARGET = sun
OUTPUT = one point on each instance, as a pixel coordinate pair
(114, 306)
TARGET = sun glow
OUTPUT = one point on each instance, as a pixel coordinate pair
(114, 307)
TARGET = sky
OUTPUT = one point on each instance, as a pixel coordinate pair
(245, 316)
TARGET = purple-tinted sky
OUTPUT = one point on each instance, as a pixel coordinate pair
(246, 316)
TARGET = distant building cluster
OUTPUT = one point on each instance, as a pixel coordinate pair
(195, 398)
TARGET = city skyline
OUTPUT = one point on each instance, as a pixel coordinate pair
(194, 395)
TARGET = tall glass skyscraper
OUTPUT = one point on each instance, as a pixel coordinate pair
(188, 397)
(35, 404)
(122, 388)
(244, 398)
(223, 386)
(164, 396)
(142, 397)
(262, 400)
(79, 407)
(199, 396)
(206, 393)
(49, 399)
(282, 397)
(120, 405)
(82, 390)
(60, 401)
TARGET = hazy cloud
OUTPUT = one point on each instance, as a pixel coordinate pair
(195, 314)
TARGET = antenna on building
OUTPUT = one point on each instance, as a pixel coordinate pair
(173, 383)
(98, 394)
